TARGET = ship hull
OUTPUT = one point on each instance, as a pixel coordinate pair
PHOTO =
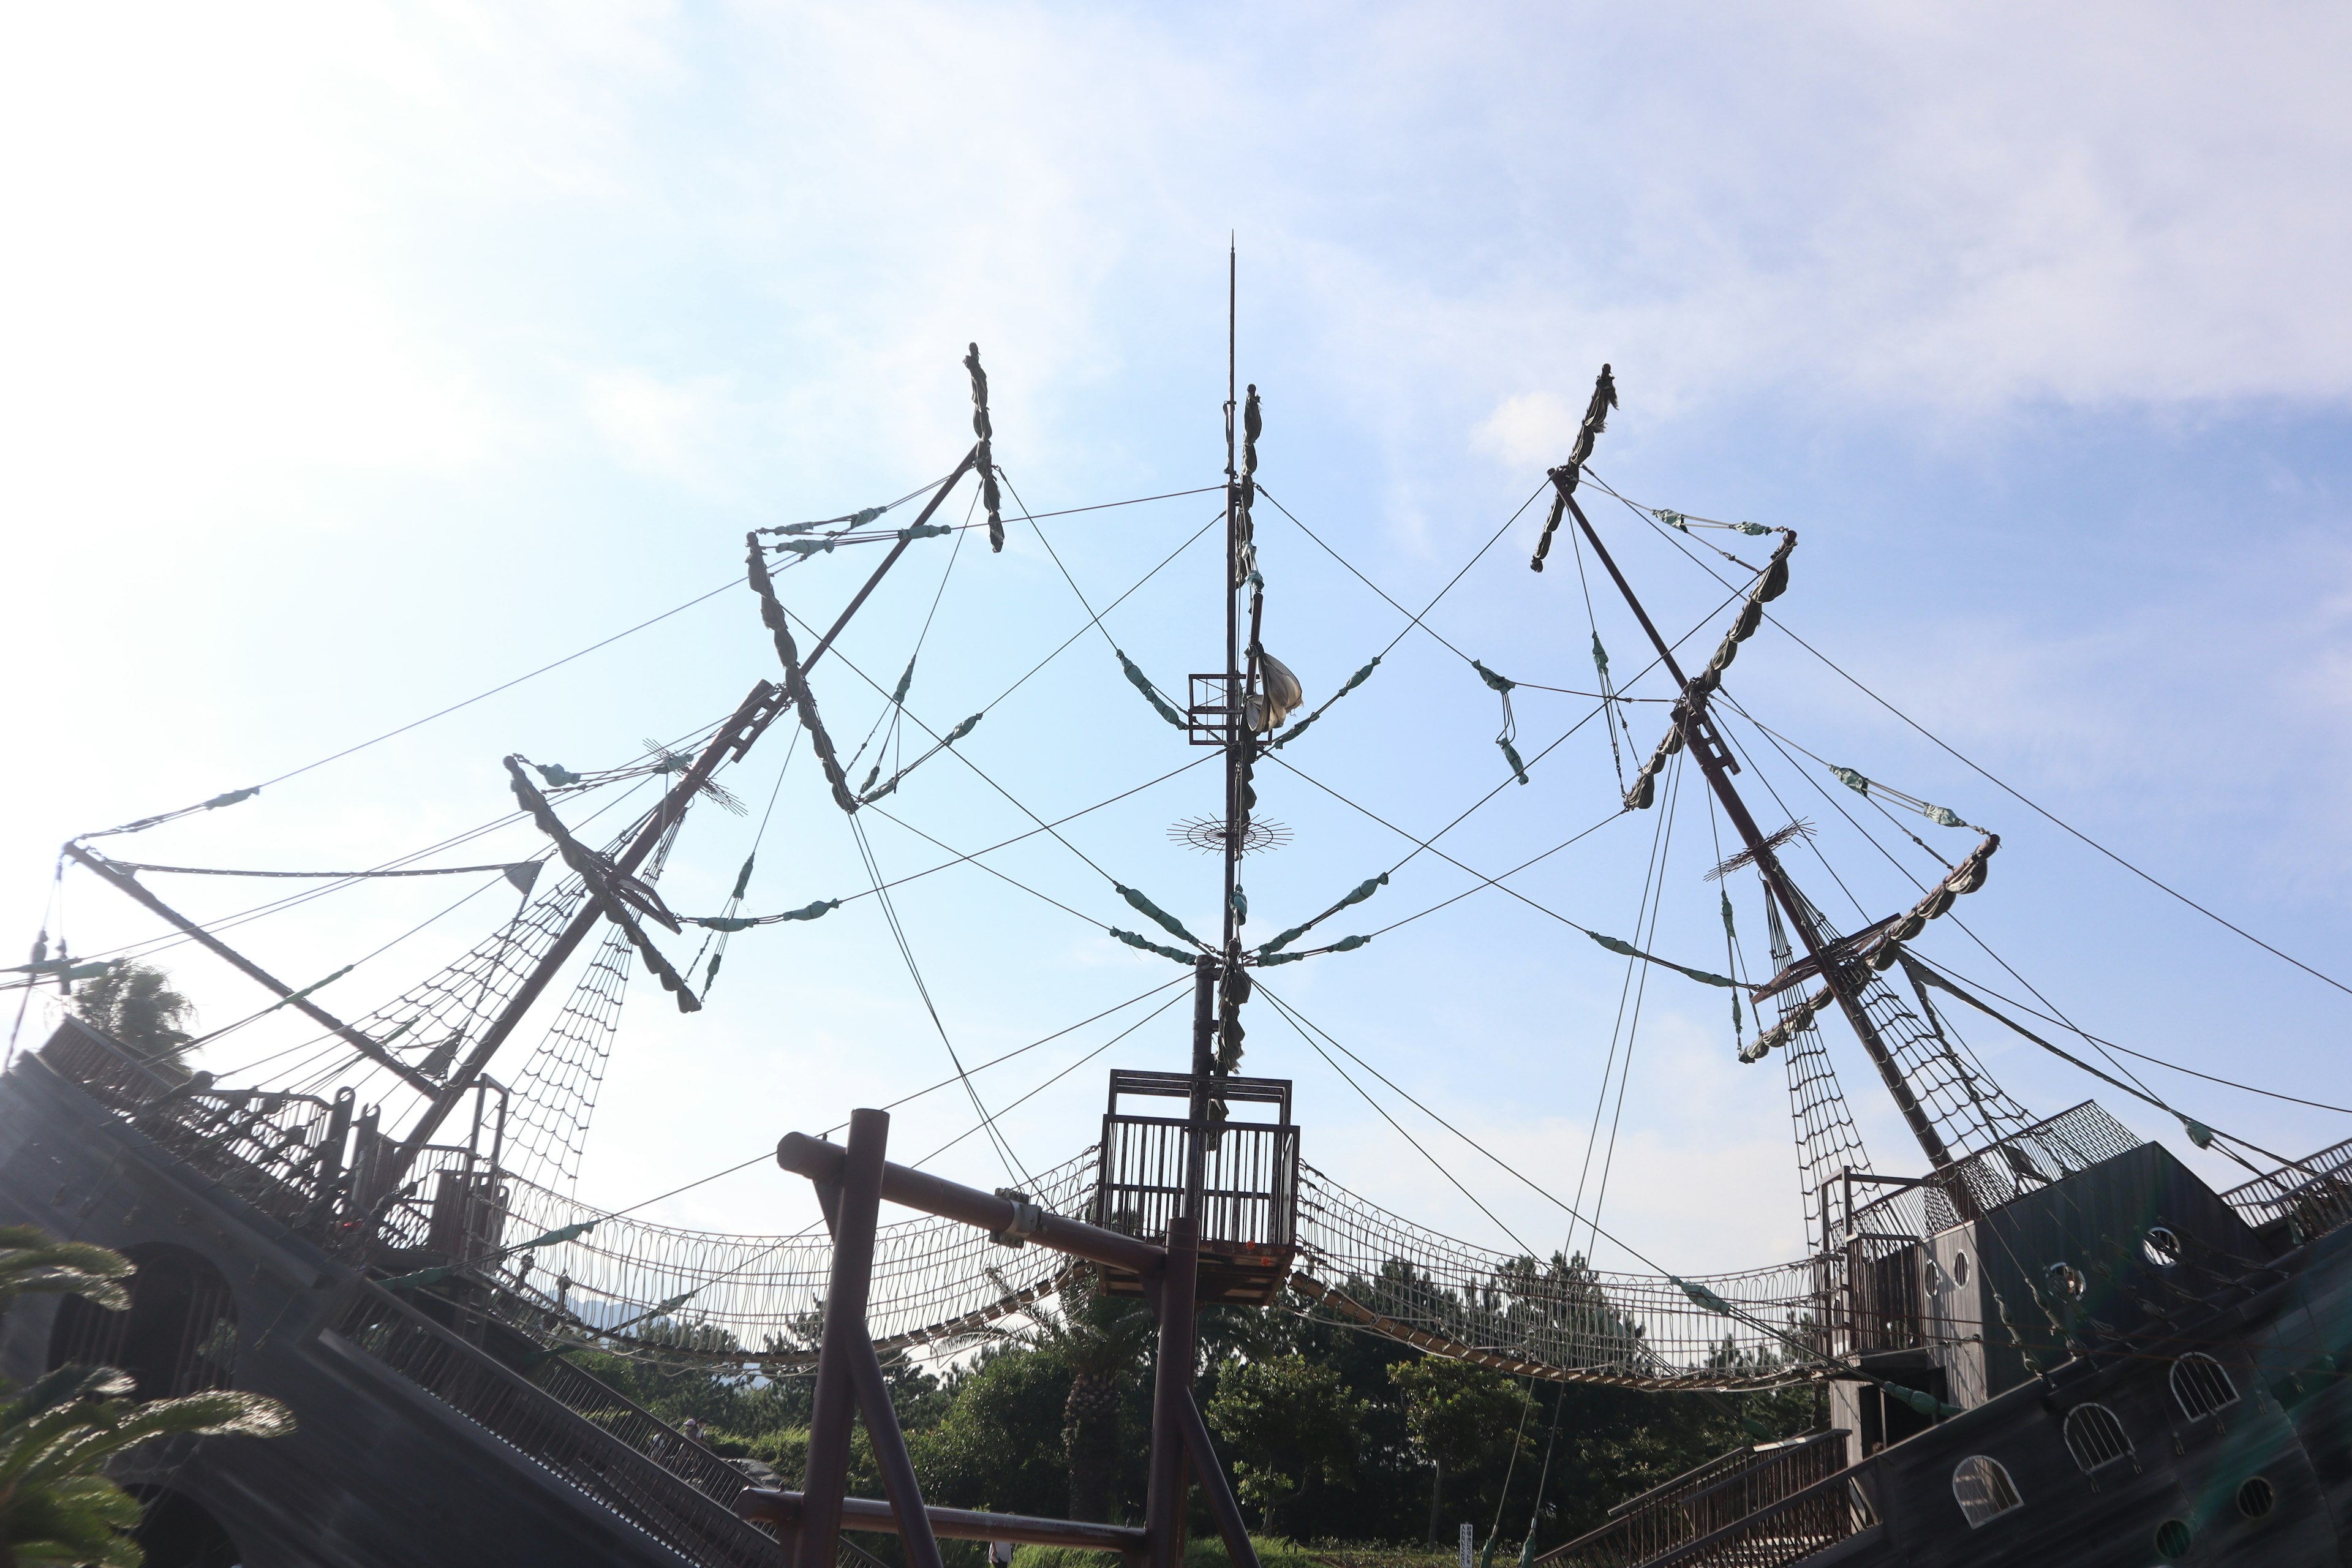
(380, 1473)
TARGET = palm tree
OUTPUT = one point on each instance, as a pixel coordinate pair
(1101, 1340)
(56, 1507)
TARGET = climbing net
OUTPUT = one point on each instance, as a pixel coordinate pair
(1563, 1319)
(666, 1291)
(758, 1298)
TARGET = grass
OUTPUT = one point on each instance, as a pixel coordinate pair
(1273, 1552)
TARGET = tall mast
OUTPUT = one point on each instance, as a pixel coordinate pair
(766, 704)
(1716, 761)
(1218, 978)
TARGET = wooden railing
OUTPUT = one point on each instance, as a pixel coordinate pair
(1250, 1194)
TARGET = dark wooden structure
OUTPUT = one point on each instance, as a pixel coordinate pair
(2121, 1368)
(852, 1183)
(1249, 1191)
(429, 1431)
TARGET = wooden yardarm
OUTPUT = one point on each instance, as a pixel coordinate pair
(852, 1182)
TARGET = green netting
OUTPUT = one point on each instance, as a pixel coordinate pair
(1630, 950)
(1357, 895)
(797, 688)
(745, 922)
(314, 985)
(1165, 921)
(1148, 945)
(1941, 815)
(1142, 683)
(1345, 944)
(949, 739)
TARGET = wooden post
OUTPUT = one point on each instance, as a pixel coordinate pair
(857, 1201)
(881, 1418)
(1172, 1391)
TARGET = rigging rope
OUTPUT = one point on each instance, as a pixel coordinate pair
(796, 689)
(2039, 809)
(1012, 1166)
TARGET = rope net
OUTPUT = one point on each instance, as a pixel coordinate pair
(671, 1292)
(758, 1298)
(1563, 1319)
(1828, 1142)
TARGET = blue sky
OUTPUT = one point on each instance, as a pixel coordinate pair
(357, 360)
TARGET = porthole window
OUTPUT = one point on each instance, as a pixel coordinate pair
(2066, 1280)
(1959, 1269)
(2095, 1437)
(2172, 1539)
(2255, 1497)
(1983, 1489)
(2201, 1386)
(1935, 1278)
(2160, 1246)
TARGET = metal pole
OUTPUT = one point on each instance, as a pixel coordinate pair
(858, 1203)
(1690, 718)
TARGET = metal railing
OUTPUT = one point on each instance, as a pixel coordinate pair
(1752, 1506)
(1250, 1192)
(2046, 1153)
(677, 1491)
(281, 1153)
(2313, 1195)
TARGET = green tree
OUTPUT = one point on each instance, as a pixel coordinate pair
(1459, 1415)
(1290, 1424)
(134, 1004)
(34, 1264)
(996, 1447)
(55, 1506)
(1102, 1340)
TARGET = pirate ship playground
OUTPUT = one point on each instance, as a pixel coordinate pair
(2040, 1339)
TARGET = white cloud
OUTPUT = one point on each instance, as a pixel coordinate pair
(660, 428)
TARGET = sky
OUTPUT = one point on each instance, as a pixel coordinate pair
(355, 361)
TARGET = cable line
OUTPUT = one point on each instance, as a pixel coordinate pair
(2011, 791)
(1012, 1166)
(1411, 620)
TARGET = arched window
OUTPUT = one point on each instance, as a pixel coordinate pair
(2095, 1437)
(178, 1336)
(1983, 1490)
(2201, 1386)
